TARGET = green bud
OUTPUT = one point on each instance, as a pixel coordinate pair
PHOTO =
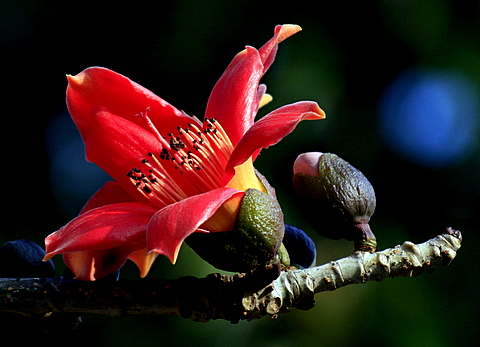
(336, 198)
(255, 239)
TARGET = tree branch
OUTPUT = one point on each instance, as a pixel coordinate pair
(225, 297)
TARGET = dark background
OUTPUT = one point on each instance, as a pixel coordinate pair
(399, 83)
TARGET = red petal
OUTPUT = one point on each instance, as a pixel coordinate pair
(110, 193)
(269, 50)
(143, 260)
(92, 265)
(233, 101)
(104, 104)
(170, 226)
(118, 145)
(97, 87)
(270, 130)
(105, 227)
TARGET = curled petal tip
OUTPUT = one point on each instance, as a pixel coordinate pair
(172, 256)
(318, 112)
(50, 253)
(88, 75)
(144, 261)
(287, 30)
(309, 110)
(76, 81)
(71, 80)
(47, 257)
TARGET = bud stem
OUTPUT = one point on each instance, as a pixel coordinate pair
(368, 242)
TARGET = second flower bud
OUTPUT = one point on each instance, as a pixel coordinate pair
(336, 198)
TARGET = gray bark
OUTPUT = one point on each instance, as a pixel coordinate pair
(243, 296)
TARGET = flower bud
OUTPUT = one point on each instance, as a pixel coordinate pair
(300, 247)
(23, 259)
(255, 239)
(336, 198)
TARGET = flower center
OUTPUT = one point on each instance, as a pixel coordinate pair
(192, 161)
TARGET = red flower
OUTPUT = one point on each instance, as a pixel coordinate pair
(174, 175)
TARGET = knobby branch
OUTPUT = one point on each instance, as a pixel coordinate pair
(243, 296)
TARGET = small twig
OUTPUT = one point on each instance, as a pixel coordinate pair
(224, 297)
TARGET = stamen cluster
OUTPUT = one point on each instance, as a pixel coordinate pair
(199, 155)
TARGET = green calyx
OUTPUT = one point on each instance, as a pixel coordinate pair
(259, 227)
(339, 202)
(255, 239)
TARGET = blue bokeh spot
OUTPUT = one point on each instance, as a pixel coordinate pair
(73, 179)
(430, 116)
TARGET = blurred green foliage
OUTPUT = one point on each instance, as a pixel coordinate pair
(345, 57)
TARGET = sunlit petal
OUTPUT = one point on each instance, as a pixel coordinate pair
(233, 100)
(92, 265)
(270, 130)
(170, 226)
(102, 228)
(97, 87)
